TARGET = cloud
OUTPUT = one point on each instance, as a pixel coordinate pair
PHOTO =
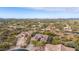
(58, 9)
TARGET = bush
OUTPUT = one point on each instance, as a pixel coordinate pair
(56, 41)
(38, 43)
(41, 43)
(77, 45)
(73, 44)
(4, 46)
(70, 44)
(34, 42)
(49, 33)
(34, 33)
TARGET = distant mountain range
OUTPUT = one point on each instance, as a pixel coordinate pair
(39, 19)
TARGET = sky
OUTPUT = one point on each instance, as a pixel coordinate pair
(39, 12)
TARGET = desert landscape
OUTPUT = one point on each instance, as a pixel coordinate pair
(39, 34)
(39, 29)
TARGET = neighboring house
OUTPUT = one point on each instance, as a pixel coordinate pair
(67, 28)
(40, 37)
(42, 30)
(22, 39)
(50, 27)
(12, 27)
(59, 47)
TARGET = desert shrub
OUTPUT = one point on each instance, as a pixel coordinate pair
(41, 43)
(44, 26)
(70, 44)
(34, 42)
(73, 44)
(66, 40)
(50, 38)
(4, 46)
(34, 33)
(49, 33)
(77, 45)
(38, 43)
(56, 41)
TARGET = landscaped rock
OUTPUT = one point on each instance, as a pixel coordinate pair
(38, 48)
(22, 39)
(59, 47)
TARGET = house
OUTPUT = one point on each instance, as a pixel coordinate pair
(50, 27)
(12, 27)
(40, 37)
(59, 47)
(67, 28)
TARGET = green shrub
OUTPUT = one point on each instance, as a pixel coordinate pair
(4, 46)
(34, 33)
(77, 45)
(70, 44)
(41, 43)
(34, 42)
(38, 43)
(49, 33)
(56, 41)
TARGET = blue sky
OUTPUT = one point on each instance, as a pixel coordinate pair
(39, 12)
